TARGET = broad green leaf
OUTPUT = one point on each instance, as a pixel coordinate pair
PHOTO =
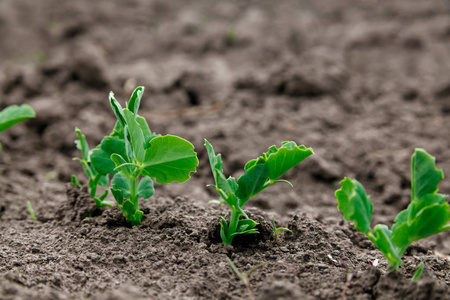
(145, 188)
(118, 195)
(285, 158)
(136, 136)
(169, 158)
(101, 155)
(128, 147)
(429, 221)
(214, 160)
(121, 182)
(424, 175)
(252, 182)
(381, 237)
(355, 204)
(14, 114)
(117, 131)
(83, 145)
(117, 109)
(135, 100)
(249, 231)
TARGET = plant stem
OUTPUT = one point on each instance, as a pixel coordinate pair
(133, 190)
(234, 220)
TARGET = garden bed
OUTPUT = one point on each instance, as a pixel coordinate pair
(362, 84)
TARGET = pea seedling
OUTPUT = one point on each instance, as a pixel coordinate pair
(426, 215)
(244, 276)
(277, 230)
(259, 174)
(95, 178)
(135, 155)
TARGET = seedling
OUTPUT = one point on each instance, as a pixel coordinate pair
(418, 272)
(135, 155)
(426, 215)
(14, 114)
(30, 210)
(95, 178)
(244, 276)
(276, 230)
(259, 174)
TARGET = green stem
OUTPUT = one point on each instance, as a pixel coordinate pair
(234, 220)
(134, 191)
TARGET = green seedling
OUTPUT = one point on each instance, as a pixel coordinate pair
(135, 155)
(30, 210)
(259, 174)
(95, 178)
(14, 114)
(245, 276)
(276, 230)
(426, 215)
(418, 272)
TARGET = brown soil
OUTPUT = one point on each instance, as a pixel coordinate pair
(361, 82)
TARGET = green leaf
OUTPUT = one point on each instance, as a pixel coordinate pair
(118, 195)
(169, 158)
(214, 160)
(428, 213)
(136, 136)
(83, 145)
(101, 155)
(145, 188)
(224, 231)
(245, 225)
(75, 181)
(121, 163)
(135, 100)
(285, 158)
(131, 213)
(381, 237)
(252, 182)
(120, 182)
(14, 114)
(104, 180)
(424, 175)
(117, 109)
(148, 135)
(418, 271)
(355, 204)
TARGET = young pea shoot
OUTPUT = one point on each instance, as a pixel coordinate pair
(277, 230)
(426, 215)
(259, 174)
(244, 276)
(95, 178)
(135, 155)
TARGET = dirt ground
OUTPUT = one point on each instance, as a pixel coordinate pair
(361, 82)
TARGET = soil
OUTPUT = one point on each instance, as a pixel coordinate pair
(363, 83)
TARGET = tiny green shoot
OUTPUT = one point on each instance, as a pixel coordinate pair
(135, 155)
(95, 178)
(276, 230)
(427, 214)
(30, 210)
(259, 174)
(418, 272)
(245, 276)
